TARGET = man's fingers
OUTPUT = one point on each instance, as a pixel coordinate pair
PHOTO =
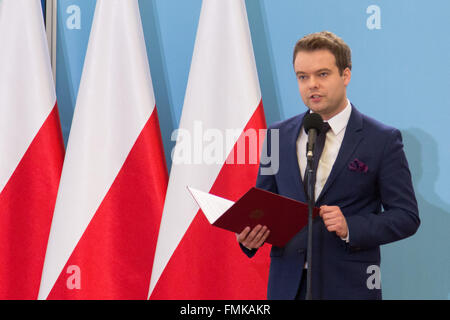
(264, 238)
(331, 213)
(332, 228)
(330, 216)
(255, 238)
(332, 220)
(324, 210)
(259, 236)
(243, 235)
(254, 232)
(337, 225)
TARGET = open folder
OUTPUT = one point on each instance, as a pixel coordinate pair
(284, 217)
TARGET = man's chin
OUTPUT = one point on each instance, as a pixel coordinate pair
(316, 108)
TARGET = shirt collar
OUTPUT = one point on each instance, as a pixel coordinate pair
(339, 121)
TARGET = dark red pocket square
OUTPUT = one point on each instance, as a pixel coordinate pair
(358, 165)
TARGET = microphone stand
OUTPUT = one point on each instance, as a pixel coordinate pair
(311, 201)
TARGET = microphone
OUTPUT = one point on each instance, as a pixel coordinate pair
(312, 123)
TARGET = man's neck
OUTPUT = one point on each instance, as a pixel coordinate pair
(327, 117)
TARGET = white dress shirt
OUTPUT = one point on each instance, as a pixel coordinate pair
(333, 142)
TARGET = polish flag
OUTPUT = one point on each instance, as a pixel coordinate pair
(193, 259)
(31, 147)
(113, 183)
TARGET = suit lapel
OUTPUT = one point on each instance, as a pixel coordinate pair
(292, 133)
(352, 138)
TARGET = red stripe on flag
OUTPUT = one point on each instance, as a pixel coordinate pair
(26, 209)
(208, 262)
(115, 253)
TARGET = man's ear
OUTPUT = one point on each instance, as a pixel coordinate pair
(346, 75)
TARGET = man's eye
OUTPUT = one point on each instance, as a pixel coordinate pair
(323, 74)
(301, 77)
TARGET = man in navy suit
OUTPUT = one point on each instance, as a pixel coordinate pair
(363, 185)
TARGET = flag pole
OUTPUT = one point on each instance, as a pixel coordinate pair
(50, 26)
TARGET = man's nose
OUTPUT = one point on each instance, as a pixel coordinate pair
(313, 83)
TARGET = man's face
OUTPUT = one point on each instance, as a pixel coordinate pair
(322, 88)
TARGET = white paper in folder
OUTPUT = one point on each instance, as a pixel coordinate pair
(212, 206)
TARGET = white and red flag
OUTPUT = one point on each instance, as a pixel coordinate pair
(113, 183)
(31, 147)
(193, 259)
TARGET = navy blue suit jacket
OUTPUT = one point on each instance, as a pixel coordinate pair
(379, 206)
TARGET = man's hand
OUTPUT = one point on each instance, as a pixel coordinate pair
(334, 220)
(253, 239)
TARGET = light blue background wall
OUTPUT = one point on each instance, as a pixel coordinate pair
(401, 76)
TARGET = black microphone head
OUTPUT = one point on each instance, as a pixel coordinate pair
(312, 121)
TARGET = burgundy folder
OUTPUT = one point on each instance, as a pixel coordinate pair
(284, 217)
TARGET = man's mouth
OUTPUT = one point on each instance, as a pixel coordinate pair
(315, 98)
